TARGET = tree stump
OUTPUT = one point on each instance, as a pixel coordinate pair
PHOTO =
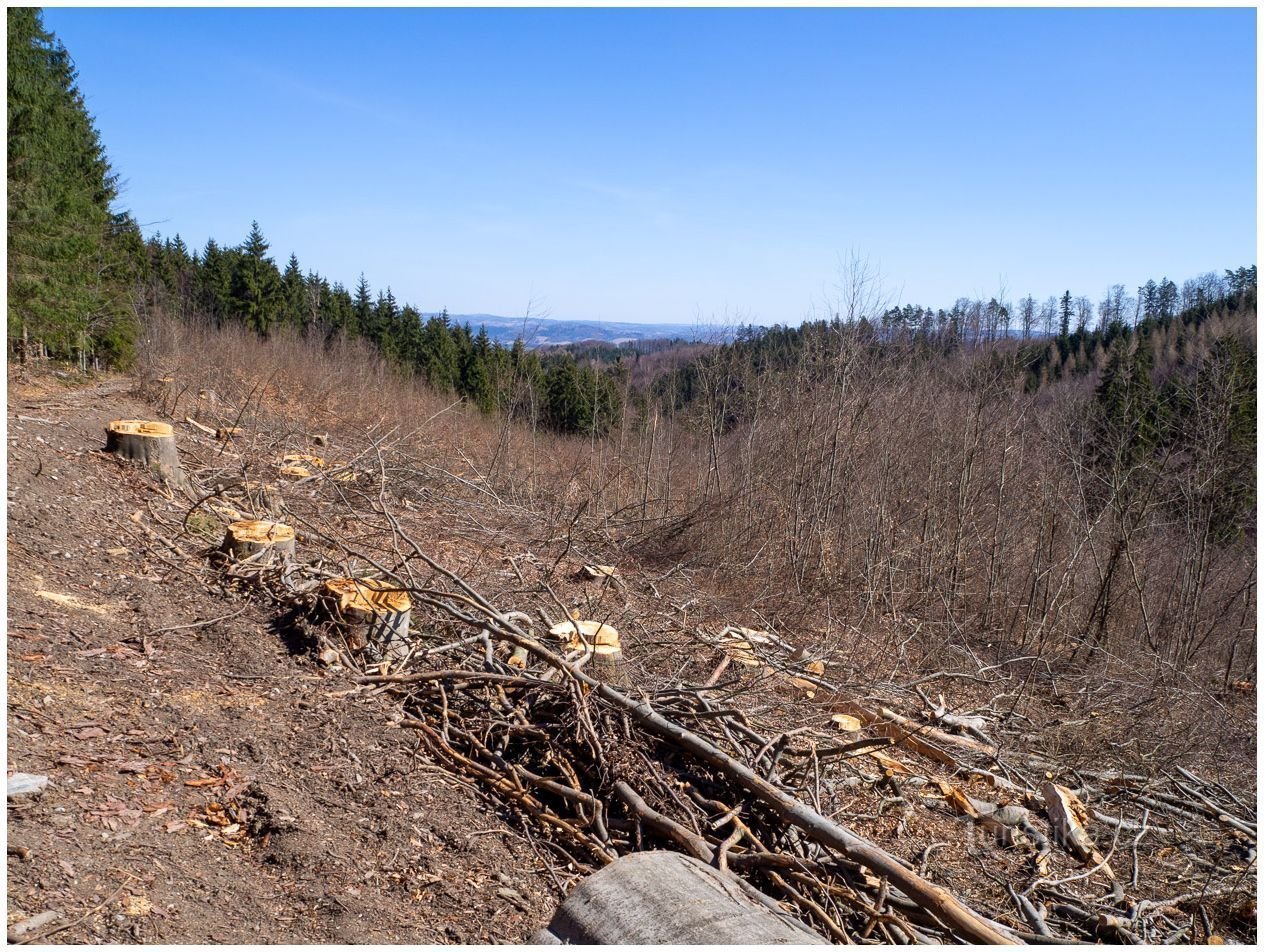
(373, 614)
(265, 498)
(662, 898)
(251, 536)
(300, 465)
(149, 443)
(603, 650)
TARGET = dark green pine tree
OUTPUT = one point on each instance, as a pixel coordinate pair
(256, 285)
(362, 310)
(439, 361)
(213, 286)
(1064, 310)
(66, 276)
(562, 402)
(294, 310)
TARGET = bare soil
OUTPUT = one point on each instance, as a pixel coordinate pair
(208, 783)
(211, 781)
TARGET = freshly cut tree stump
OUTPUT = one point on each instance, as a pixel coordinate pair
(250, 536)
(603, 650)
(149, 443)
(302, 459)
(375, 615)
(300, 465)
(663, 898)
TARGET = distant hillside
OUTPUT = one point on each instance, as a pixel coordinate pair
(540, 331)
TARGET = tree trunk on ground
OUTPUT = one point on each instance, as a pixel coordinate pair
(657, 897)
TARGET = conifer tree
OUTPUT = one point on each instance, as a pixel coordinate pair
(256, 284)
(66, 269)
(294, 294)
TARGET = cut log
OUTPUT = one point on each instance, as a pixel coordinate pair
(250, 537)
(1067, 816)
(208, 430)
(662, 898)
(225, 433)
(373, 614)
(963, 921)
(149, 443)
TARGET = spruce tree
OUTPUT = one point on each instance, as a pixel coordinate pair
(294, 294)
(256, 284)
(66, 269)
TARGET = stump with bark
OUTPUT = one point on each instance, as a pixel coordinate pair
(374, 615)
(259, 540)
(149, 443)
(602, 650)
(264, 497)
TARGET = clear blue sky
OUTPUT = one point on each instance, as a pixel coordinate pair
(661, 165)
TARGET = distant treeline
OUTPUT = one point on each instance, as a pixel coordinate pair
(82, 277)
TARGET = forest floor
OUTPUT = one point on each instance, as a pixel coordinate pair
(212, 781)
(208, 784)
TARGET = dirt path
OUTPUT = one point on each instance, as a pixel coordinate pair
(206, 784)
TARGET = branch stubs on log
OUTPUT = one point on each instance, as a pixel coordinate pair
(374, 614)
(149, 443)
(249, 537)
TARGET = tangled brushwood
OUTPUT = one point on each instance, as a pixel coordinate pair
(748, 749)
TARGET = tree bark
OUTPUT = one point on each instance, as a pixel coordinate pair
(151, 444)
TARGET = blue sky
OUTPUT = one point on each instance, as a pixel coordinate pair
(672, 164)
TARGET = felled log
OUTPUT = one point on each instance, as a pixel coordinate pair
(660, 898)
(249, 538)
(952, 912)
(149, 443)
(1067, 815)
(201, 427)
(373, 614)
(225, 433)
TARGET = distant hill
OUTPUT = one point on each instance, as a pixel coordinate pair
(542, 331)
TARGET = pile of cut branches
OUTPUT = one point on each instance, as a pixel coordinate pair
(730, 770)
